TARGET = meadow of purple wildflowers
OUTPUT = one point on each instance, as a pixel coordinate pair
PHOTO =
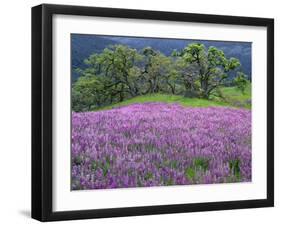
(156, 144)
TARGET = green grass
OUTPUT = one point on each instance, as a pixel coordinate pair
(236, 98)
(232, 98)
(164, 98)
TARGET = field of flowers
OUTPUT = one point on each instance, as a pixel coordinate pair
(155, 144)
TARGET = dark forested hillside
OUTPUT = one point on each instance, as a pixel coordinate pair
(82, 46)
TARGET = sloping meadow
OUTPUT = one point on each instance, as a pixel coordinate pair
(157, 144)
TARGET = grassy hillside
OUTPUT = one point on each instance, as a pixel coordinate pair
(232, 98)
(193, 102)
(235, 98)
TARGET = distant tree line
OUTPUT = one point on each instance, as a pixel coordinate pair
(120, 72)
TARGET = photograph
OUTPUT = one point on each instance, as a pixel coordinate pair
(149, 111)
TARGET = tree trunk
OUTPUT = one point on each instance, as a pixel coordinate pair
(205, 87)
(121, 96)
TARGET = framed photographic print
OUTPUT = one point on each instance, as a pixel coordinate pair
(146, 112)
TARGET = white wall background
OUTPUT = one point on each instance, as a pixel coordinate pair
(15, 120)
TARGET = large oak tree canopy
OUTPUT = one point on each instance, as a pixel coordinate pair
(211, 66)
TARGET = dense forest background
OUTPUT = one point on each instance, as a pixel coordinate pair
(109, 69)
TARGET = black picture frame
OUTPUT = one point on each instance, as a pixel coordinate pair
(42, 111)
